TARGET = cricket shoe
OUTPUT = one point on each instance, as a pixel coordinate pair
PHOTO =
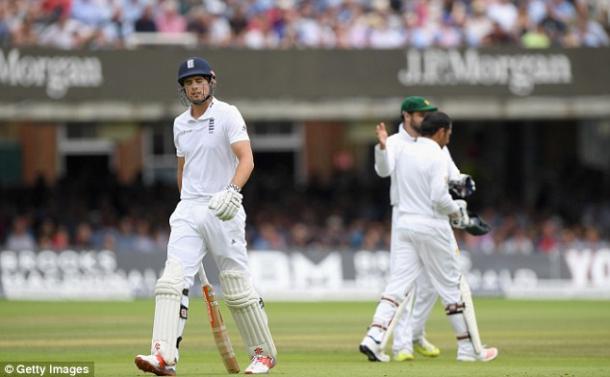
(260, 365)
(487, 354)
(425, 348)
(403, 355)
(372, 349)
(154, 364)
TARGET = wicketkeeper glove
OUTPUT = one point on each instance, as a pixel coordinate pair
(477, 226)
(463, 186)
(226, 203)
(460, 219)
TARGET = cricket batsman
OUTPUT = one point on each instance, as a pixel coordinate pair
(215, 161)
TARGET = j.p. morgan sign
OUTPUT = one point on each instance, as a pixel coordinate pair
(520, 72)
(57, 74)
(302, 79)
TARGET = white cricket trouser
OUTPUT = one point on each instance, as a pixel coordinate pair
(411, 324)
(195, 231)
(421, 244)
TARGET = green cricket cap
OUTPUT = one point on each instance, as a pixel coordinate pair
(414, 103)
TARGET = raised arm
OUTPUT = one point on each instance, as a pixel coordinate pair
(384, 163)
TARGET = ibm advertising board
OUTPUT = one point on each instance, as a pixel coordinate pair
(130, 79)
(298, 275)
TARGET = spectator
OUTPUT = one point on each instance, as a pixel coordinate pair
(498, 37)
(160, 238)
(169, 20)
(198, 23)
(569, 240)
(448, 35)
(504, 13)
(109, 241)
(5, 32)
(478, 26)
(83, 238)
(143, 241)
(146, 22)
(536, 38)
(54, 9)
(269, 238)
(518, 243)
(589, 33)
(219, 31)
(374, 238)
(61, 238)
(45, 233)
(536, 11)
(25, 31)
(548, 242)
(386, 33)
(553, 26)
(238, 22)
(66, 34)
(124, 238)
(334, 233)
(563, 9)
(95, 13)
(21, 238)
(310, 24)
(592, 238)
(319, 219)
(300, 236)
(132, 10)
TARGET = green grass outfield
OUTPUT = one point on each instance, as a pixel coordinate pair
(535, 338)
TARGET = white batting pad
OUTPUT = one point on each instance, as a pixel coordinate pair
(469, 315)
(247, 312)
(168, 292)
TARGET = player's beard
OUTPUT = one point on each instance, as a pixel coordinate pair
(416, 126)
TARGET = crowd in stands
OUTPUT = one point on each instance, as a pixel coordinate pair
(337, 216)
(342, 24)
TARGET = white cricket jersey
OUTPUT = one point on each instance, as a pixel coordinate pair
(384, 161)
(205, 143)
(422, 180)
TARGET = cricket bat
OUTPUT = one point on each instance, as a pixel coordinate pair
(408, 302)
(219, 330)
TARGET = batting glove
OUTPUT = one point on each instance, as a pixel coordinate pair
(460, 219)
(226, 203)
